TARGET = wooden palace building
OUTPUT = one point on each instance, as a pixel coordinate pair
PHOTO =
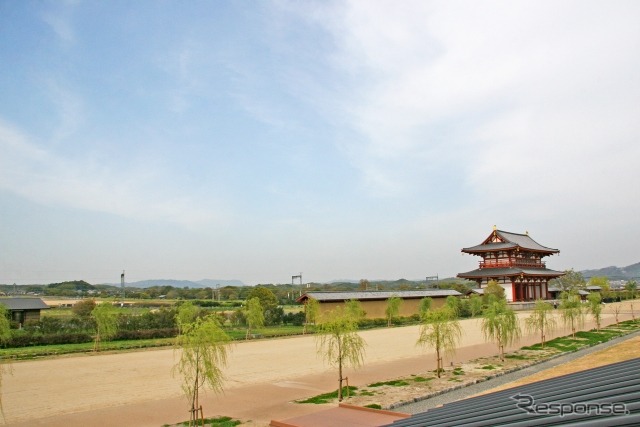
(515, 261)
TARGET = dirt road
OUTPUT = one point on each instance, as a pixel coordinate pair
(263, 377)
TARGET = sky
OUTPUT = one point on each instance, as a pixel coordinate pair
(337, 139)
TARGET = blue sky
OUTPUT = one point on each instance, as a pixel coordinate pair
(343, 140)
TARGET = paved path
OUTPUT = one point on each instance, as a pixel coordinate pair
(264, 377)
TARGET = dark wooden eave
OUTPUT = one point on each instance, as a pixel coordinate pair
(510, 272)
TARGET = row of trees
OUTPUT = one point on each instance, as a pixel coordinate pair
(339, 343)
(572, 281)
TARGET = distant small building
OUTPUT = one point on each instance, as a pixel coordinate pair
(556, 293)
(374, 303)
(24, 309)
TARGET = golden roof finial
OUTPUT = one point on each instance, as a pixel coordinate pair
(495, 228)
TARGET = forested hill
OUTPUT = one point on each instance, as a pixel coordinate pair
(615, 273)
(204, 283)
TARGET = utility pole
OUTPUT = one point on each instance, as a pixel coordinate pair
(299, 276)
(431, 279)
(122, 285)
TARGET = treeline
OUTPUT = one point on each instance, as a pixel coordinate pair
(285, 293)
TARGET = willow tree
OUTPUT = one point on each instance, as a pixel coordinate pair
(393, 308)
(203, 346)
(455, 304)
(338, 342)
(493, 292)
(311, 311)
(594, 306)
(425, 306)
(5, 335)
(571, 311)
(254, 315)
(441, 331)
(500, 325)
(541, 320)
(475, 305)
(187, 313)
(106, 317)
(353, 307)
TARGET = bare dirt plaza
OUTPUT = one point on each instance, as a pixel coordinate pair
(263, 378)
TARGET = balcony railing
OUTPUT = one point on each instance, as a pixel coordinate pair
(506, 263)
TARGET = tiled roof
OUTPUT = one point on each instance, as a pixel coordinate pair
(377, 295)
(510, 241)
(23, 303)
(509, 272)
(618, 384)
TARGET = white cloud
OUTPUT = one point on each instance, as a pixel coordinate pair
(59, 18)
(534, 92)
(46, 178)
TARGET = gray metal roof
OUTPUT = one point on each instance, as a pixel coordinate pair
(378, 295)
(618, 384)
(509, 272)
(510, 241)
(20, 303)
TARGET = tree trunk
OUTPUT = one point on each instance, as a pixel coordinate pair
(339, 371)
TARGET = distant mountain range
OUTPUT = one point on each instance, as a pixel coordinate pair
(204, 283)
(615, 273)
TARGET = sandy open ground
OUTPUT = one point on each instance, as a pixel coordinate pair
(263, 378)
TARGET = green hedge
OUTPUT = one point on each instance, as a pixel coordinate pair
(26, 339)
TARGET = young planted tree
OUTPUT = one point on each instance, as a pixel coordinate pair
(393, 308)
(5, 335)
(500, 325)
(603, 283)
(106, 317)
(441, 331)
(271, 313)
(338, 342)
(616, 311)
(571, 311)
(454, 305)
(204, 349)
(187, 313)
(354, 308)
(425, 306)
(254, 315)
(541, 320)
(311, 311)
(595, 308)
(631, 287)
(493, 292)
(475, 305)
